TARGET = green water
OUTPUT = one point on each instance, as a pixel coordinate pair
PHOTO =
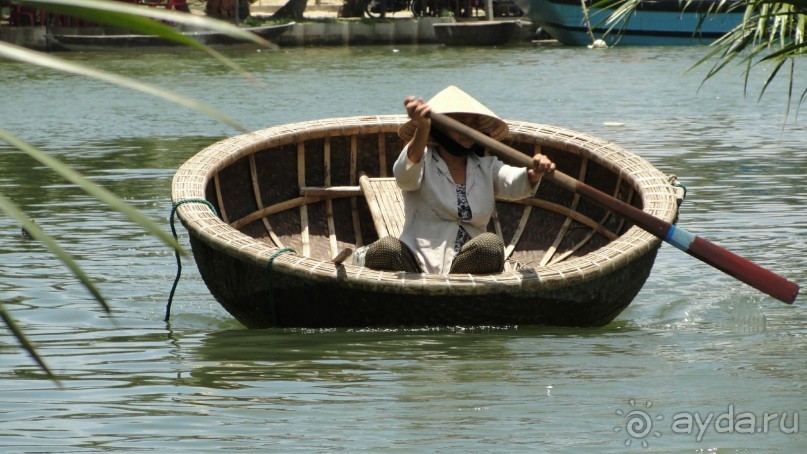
(694, 344)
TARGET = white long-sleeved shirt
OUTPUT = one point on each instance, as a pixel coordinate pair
(430, 202)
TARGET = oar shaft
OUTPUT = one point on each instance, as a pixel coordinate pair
(710, 253)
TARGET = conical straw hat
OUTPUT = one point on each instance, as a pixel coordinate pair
(451, 101)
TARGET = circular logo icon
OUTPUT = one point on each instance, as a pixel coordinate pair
(638, 424)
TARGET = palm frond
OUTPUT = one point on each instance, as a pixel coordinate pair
(9, 208)
(100, 193)
(140, 20)
(771, 32)
(26, 344)
(622, 10)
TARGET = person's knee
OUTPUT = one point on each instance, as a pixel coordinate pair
(483, 254)
(387, 243)
(491, 240)
(391, 254)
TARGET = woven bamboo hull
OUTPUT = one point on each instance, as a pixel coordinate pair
(574, 264)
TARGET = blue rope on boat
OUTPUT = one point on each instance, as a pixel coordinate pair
(678, 184)
(269, 278)
(278, 252)
(176, 205)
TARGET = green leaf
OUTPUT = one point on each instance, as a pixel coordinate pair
(8, 207)
(26, 344)
(138, 19)
(91, 188)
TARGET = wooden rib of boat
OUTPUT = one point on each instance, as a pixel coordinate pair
(476, 33)
(288, 200)
(73, 38)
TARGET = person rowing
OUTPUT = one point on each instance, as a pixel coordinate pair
(449, 185)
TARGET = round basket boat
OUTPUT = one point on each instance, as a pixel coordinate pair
(290, 198)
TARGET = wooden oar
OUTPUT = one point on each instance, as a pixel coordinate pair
(704, 250)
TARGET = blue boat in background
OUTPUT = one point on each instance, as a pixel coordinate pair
(653, 22)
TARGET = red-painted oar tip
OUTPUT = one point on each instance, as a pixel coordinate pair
(795, 293)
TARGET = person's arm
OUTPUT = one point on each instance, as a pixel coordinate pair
(418, 111)
(540, 165)
(515, 183)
